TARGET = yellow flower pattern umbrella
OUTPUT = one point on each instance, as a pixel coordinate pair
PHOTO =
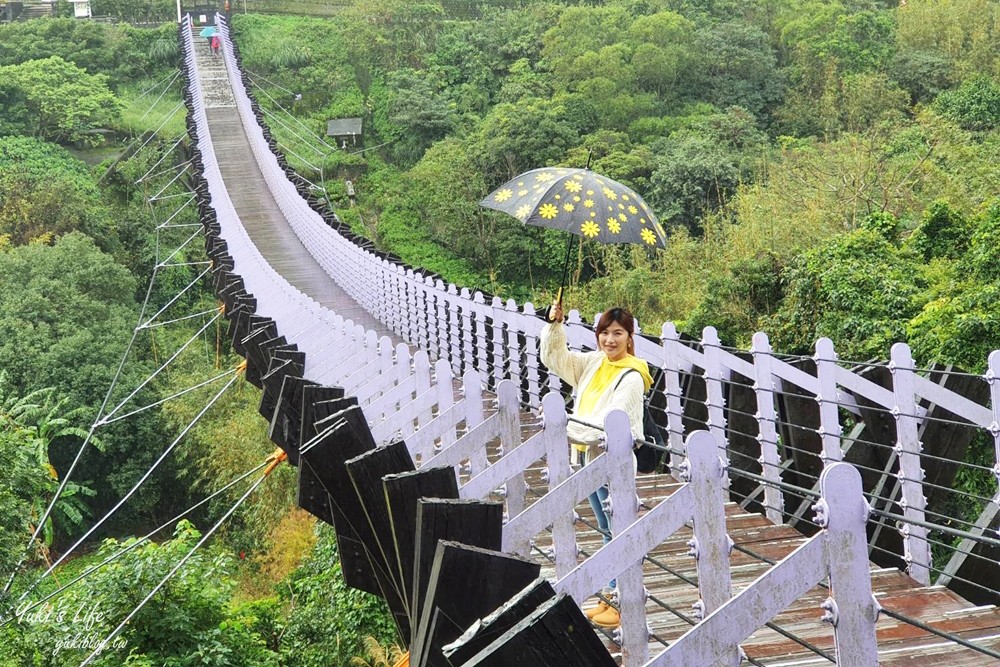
(581, 202)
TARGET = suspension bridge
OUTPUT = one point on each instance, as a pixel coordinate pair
(807, 512)
(427, 432)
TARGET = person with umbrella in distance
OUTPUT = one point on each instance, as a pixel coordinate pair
(611, 377)
(209, 32)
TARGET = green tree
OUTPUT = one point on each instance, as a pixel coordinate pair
(329, 621)
(858, 289)
(738, 68)
(699, 168)
(190, 621)
(964, 32)
(943, 232)
(62, 100)
(417, 114)
(739, 301)
(975, 105)
(35, 423)
(44, 192)
(123, 52)
(663, 53)
(960, 324)
(513, 139)
(579, 33)
(73, 308)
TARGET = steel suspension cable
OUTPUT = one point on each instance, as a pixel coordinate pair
(93, 568)
(114, 633)
(134, 488)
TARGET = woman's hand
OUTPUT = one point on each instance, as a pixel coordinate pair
(556, 312)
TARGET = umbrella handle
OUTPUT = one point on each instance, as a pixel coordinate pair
(558, 299)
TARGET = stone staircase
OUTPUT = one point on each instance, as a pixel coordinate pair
(37, 10)
(212, 73)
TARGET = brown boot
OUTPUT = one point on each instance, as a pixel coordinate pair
(601, 607)
(609, 619)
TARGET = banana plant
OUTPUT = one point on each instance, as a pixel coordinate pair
(34, 422)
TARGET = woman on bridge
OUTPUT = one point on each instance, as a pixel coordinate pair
(609, 379)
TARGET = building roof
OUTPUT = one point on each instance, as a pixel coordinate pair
(339, 127)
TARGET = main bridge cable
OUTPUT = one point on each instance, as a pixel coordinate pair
(272, 462)
(163, 455)
(121, 552)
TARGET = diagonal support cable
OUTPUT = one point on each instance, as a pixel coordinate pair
(180, 393)
(114, 633)
(135, 487)
(121, 552)
(173, 215)
(110, 413)
(162, 158)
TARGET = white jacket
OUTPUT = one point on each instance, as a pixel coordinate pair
(577, 369)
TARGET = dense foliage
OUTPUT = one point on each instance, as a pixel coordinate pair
(757, 130)
(824, 169)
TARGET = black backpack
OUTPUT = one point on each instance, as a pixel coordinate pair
(647, 456)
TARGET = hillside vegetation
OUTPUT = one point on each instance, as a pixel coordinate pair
(823, 169)
(805, 156)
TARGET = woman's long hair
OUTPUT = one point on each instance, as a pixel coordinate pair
(622, 317)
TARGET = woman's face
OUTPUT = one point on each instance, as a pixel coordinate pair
(614, 341)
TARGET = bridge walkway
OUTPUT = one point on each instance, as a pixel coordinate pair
(256, 206)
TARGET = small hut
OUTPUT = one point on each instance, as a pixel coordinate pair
(345, 131)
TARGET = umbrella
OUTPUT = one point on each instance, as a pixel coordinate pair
(581, 202)
(208, 31)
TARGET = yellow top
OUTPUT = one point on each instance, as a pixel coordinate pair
(606, 374)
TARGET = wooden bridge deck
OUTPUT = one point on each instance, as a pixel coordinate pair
(670, 574)
(256, 206)
(671, 577)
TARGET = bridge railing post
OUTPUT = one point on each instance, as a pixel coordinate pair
(767, 435)
(839, 552)
(826, 395)
(623, 509)
(481, 338)
(532, 358)
(454, 347)
(916, 548)
(441, 328)
(715, 375)
(512, 347)
(472, 392)
(671, 363)
(466, 333)
(499, 339)
(444, 386)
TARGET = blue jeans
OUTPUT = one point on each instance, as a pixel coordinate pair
(596, 503)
